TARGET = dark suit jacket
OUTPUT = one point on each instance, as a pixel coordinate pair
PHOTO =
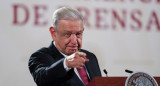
(46, 67)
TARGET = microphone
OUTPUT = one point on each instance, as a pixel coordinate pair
(105, 71)
(128, 71)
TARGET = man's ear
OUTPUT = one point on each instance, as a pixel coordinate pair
(52, 32)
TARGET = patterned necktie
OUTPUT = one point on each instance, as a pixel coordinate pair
(83, 75)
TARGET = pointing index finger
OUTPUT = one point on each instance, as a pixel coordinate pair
(81, 54)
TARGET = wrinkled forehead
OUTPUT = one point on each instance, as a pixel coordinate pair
(65, 23)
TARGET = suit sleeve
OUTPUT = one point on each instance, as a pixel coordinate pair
(45, 70)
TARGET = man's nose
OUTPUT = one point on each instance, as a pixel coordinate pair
(73, 39)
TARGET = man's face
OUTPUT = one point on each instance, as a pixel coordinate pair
(68, 36)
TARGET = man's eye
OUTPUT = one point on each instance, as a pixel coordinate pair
(79, 34)
(67, 34)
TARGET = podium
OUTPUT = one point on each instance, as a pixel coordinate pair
(112, 81)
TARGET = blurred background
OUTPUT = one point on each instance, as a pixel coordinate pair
(124, 34)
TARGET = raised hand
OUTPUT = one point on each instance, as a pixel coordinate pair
(76, 60)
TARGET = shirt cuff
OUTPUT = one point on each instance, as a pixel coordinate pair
(65, 66)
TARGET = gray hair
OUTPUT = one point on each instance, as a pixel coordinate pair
(66, 13)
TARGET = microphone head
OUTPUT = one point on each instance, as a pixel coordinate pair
(105, 71)
(128, 71)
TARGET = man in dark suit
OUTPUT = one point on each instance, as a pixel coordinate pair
(64, 63)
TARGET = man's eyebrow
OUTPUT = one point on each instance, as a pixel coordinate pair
(80, 31)
(66, 31)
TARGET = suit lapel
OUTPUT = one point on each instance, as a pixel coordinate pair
(89, 72)
(55, 52)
